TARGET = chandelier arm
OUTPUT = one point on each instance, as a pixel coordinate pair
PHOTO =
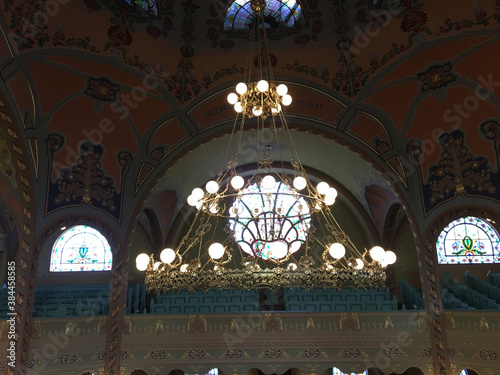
(278, 144)
(184, 239)
(347, 240)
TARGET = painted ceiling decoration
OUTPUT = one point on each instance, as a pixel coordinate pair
(436, 76)
(85, 182)
(102, 89)
(457, 172)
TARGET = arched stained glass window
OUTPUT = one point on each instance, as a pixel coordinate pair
(81, 248)
(336, 371)
(213, 371)
(464, 372)
(283, 12)
(468, 240)
(149, 6)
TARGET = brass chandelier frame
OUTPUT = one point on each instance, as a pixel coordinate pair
(289, 238)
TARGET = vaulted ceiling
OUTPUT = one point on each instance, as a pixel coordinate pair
(396, 103)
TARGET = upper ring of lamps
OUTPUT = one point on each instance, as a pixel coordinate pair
(210, 200)
(259, 99)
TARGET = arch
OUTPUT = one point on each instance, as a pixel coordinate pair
(81, 248)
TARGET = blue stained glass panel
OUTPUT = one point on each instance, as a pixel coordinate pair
(150, 6)
(468, 240)
(336, 371)
(239, 14)
(81, 248)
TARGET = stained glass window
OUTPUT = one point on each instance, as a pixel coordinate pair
(464, 372)
(284, 12)
(258, 230)
(468, 240)
(213, 371)
(149, 6)
(336, 371)
(81, 248)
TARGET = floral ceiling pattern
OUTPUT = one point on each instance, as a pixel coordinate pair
(348, 76)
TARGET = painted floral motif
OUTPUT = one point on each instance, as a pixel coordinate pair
(29, 28)
(29, 24)
(458, 171)
(85, 182)
(102, 89)
(120, 34)
(350, 77)
(436, 76)
(167, 24)
(480, 15)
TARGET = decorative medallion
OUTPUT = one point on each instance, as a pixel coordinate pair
(66, 359)
(156, 354)
(196, 354)
(102, 89)
(312, 353)
(234, 354)
(273, 353)
(351, 353)
(435, 77)
(391, 352)
(487, 355)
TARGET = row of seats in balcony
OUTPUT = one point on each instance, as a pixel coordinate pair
(71, 300)
(4, 306)
(451, 302)
(199, 302)
(136, 298)
(493, 279)
(490, 290)
(468, 295)
(410, 296)
(319, 299)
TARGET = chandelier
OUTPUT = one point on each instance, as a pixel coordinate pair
(268, 226)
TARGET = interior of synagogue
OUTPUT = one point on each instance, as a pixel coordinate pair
(249, 187)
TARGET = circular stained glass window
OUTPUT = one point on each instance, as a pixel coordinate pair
(270, 223)
(283, 12)
(468, 240)
(81, 248)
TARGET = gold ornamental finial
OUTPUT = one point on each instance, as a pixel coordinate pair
(258, 5)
